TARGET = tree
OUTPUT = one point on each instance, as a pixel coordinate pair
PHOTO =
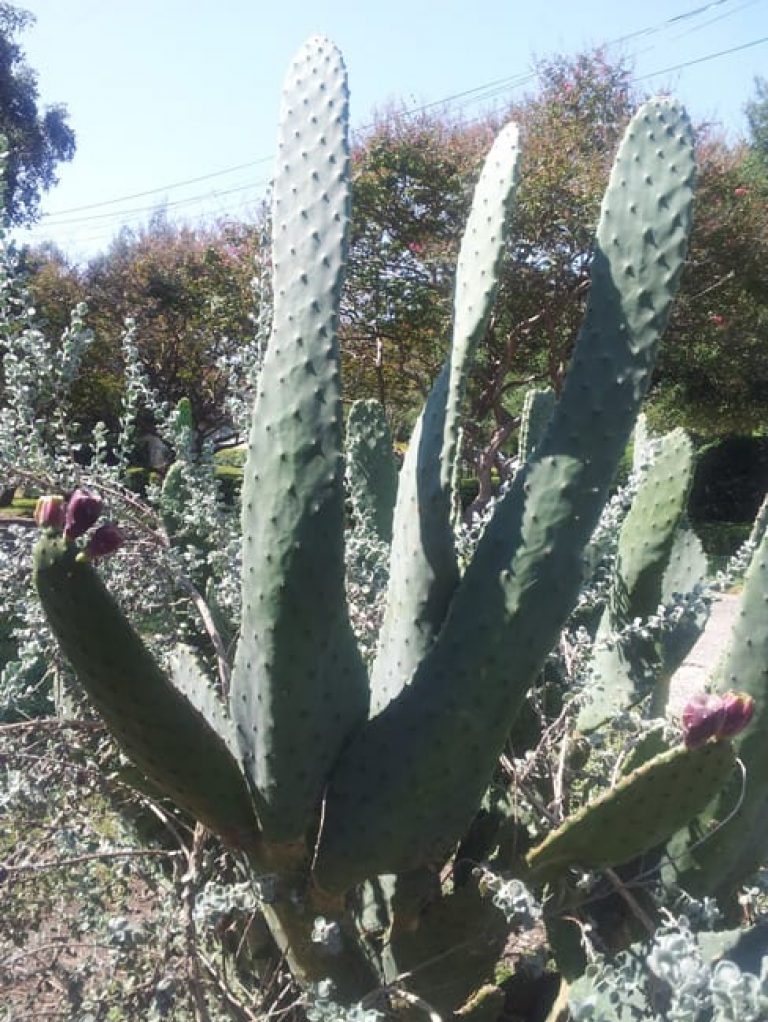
(757, 119)
(38, 138)
(412, 179)
(712, 375)
(189, 294)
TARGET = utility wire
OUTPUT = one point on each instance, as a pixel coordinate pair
(702, 60)
(162, 188)
(492, 88)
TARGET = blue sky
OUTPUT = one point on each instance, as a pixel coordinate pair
(164, 91)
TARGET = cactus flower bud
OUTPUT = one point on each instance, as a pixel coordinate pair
(711, 716)
(703, 716)
(739, 708)
(82, 511)
(103, 542)
(50, 512)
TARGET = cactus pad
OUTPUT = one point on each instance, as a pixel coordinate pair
(641, 811)
(298, 685)
(157, 727)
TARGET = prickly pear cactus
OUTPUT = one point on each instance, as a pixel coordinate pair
(299, 687)
(626, 667)
(322, 790)
(157, 726)
(400, 793)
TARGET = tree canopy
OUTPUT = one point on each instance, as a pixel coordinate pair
(38, 137)
(189, 290)
(413, 183)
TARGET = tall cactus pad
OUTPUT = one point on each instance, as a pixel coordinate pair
(408, 785)
(298, 685)
(728, 855)
(371, 468)
(538, 407)
(423, 569)
(641, 811)
(623, 669)
(155, 725)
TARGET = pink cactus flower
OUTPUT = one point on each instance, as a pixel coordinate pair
(717, 319)
(741, 190)
(50, 512)
(83, 510)
(739, 708)
(103, 542)
(703, 716)
(710, 716)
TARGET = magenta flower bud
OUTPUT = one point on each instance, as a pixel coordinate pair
(103, 542)
(82, 511)
(703, 718)
(739, 708)
(50, 512)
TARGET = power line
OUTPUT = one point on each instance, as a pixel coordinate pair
(162, 188)
(487, 91)
(165, 205)
(702, 60)
(492, 88)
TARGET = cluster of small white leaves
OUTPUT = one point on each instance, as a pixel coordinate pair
(696, 989)
(668, 616)
(138, 394)
(736, 568)
(216, 902)
(517, 903)
(37, 375)
(327, 934)
(321, 1007)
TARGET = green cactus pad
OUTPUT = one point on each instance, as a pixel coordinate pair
(640, 812)
(648, 532)
(371, 470)
(423, 568)
(407, 787)
(299, 685)
(156, 726)
(728, 855)
(190, 680)
(622, 672)
(477, 276)
(538, 407)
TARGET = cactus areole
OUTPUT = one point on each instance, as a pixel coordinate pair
(328, 776)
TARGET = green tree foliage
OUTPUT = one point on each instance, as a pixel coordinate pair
(412, 179)
(189, 293)
(412, 187)
(757, 119)
(38, 138)
(713, 371)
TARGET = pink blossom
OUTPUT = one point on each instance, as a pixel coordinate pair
(739, 708)
(711, 716)
(103, 542)
(82, 511)
(50, 512)
(702, 718)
